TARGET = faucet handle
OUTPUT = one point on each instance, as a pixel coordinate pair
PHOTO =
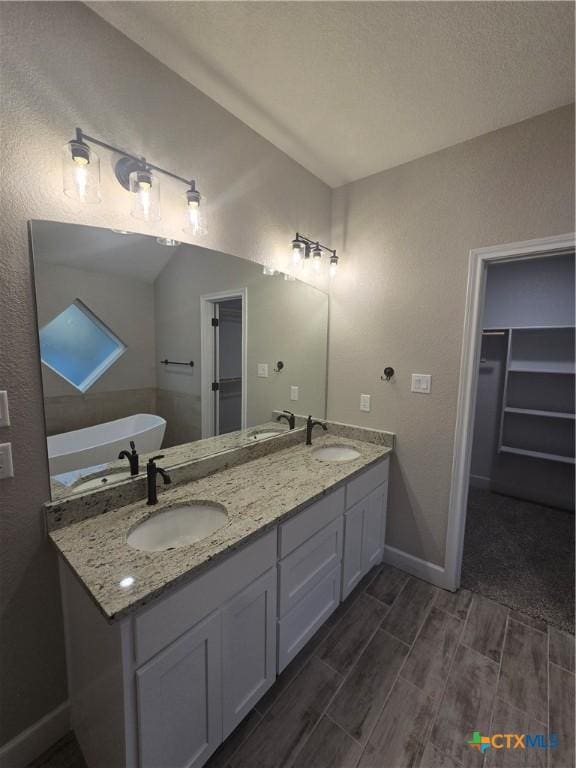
(133, 446)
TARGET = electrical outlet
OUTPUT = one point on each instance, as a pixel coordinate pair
(294, 393)
(6, 468)
(263, 370)
(365, 403)
(421, 382)
(4, 412)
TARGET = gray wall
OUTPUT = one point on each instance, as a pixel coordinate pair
(405, 236)
(287, 320)
(62, 66)
(530, 293)
(126, 306)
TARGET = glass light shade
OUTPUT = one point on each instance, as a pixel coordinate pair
(333, 268)
(298, 248)
(317, 258)
(195, 214)
(81, 172)
(145, 192)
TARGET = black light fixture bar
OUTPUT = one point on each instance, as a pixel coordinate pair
(314, 243)
(83, 138)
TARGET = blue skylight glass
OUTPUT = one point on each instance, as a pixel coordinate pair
(78, 346)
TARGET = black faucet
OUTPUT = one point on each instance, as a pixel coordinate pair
(290, 418)
(310, 424)
(151, 471)
(132, 458)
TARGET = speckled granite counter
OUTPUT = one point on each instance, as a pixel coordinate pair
(257, 496)
(173, 457)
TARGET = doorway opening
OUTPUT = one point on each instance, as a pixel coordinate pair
(223, 361)
(511, 519)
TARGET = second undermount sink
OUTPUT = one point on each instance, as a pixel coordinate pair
(335, 453)
(266, 433)
(178, 526)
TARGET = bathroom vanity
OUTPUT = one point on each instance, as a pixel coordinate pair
(169, 650)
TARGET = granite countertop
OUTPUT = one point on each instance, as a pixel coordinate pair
(70, 483)
(257, 496)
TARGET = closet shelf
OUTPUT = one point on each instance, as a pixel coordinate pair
(561, 368)
(538, 454)
(535, 412)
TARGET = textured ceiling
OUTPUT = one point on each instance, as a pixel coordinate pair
(348, 89)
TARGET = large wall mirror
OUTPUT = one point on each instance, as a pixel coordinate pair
(170, 347)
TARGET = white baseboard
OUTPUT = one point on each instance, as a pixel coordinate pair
(25, 747)
(422, 569)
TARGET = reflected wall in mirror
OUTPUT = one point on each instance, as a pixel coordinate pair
(169, 348)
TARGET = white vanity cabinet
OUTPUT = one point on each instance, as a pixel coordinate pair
(163, 687)
(364, 525)
(179, 700)
(249, 648)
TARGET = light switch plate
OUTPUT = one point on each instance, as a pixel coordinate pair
(4, 412)
(365, 403)
(263, 370)
(294, 393)
(6, 467)
(421, 382)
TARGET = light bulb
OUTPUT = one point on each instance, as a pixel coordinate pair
(333, 269)
(81, 172)
(298, 248)
(195, 222)
(145, 190)
(317, 258)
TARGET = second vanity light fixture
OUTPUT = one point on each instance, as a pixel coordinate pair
(305, 251)
(81, 179)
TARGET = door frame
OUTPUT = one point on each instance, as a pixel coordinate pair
(207, 353)
(478, 261)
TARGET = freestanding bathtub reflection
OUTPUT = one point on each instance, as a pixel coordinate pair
(103, 442)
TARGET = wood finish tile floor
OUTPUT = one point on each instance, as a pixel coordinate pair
(399, 677)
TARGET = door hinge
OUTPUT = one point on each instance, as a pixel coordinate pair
(215, 386)
(215, 322)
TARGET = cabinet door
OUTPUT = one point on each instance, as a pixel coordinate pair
(179, 700)
(353, 565)
(249, 648)
(374, 528)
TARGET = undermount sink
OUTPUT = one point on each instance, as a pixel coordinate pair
(90, 484)
(266, 433)
(335, 453)
(177, 527)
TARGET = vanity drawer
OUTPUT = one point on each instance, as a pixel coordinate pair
(300, 528)
(361, 486)
(303, 621)
(307, 565)
(157, 626)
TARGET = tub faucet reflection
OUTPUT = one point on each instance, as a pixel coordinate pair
(132, 458)
(151, 471)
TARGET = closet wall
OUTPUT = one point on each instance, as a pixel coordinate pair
(524, 428)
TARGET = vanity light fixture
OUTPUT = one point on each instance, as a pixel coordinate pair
(81, 178)
(81, 172)
(305, 251)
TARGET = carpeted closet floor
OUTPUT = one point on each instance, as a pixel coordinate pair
(522, 555)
